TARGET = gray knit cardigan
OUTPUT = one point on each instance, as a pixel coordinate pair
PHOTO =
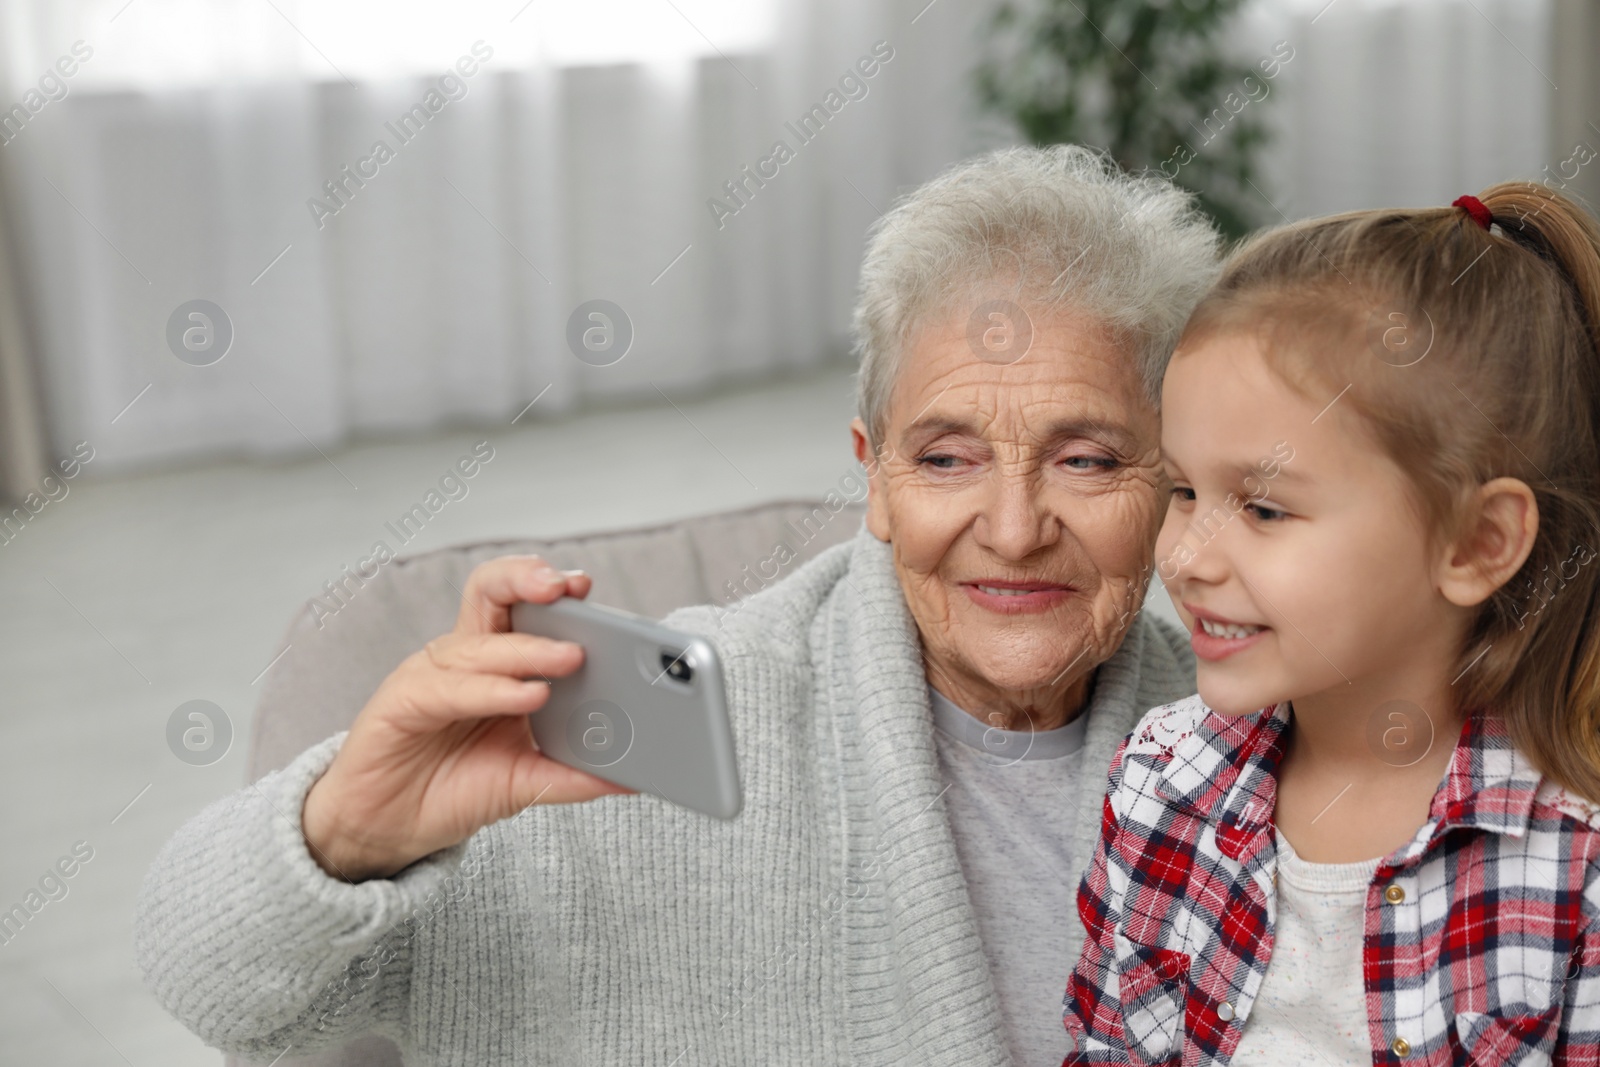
(829, 923)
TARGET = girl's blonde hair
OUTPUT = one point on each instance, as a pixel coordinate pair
(1469, 353)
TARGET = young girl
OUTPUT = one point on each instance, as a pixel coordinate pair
(1371, 838)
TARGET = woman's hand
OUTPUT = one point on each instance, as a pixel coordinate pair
(443, 747)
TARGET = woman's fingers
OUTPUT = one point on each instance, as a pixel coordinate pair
(436, 753)
(496, 585)
(513, 654)
(434, 703)
(541, 780)
(474, 676)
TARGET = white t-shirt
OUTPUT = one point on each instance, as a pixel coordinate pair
(1312, 1007)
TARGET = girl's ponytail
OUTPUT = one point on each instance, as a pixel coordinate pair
(1557, 229)
(1565, 744)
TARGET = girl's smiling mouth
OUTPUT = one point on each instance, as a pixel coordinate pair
(1215, 638)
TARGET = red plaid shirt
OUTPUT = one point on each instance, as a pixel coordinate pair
(1481, 941)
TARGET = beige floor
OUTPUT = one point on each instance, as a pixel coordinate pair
(132, 596)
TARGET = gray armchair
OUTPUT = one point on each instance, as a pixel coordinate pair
(329, 670)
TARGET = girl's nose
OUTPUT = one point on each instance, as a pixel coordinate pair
(1200, 555)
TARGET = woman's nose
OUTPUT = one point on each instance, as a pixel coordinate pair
(1016, 523)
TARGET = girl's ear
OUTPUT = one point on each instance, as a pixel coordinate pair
(1494, 544)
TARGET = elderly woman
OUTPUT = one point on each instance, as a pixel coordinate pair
(923, 719)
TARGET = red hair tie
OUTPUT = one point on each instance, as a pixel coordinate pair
(1475, 208)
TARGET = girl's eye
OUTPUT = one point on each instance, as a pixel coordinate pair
(1266, 514)
(1179, 491)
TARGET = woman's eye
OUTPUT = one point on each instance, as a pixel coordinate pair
(944, 462)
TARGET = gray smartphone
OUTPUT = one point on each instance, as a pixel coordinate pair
(646, 710)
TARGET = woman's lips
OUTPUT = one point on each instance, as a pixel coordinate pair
(1016, 598)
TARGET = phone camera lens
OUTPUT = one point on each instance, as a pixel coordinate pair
(677, 666)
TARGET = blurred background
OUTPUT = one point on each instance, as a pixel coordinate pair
(270, 268)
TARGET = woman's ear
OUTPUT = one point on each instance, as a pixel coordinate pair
(1495, 544)
(877, 504)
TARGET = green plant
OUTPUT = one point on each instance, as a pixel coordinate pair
(1150, 81)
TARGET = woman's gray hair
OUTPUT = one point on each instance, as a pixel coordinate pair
(1049, 228)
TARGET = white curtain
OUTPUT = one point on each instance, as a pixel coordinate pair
(1406, 103)
(576, 163)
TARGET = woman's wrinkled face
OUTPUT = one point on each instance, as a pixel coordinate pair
(1022, 502)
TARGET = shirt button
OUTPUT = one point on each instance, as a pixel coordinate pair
(1394, 895)
(1400, 1047)
(1225, 1012)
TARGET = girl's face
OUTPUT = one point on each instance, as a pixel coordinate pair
(1290, 547)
